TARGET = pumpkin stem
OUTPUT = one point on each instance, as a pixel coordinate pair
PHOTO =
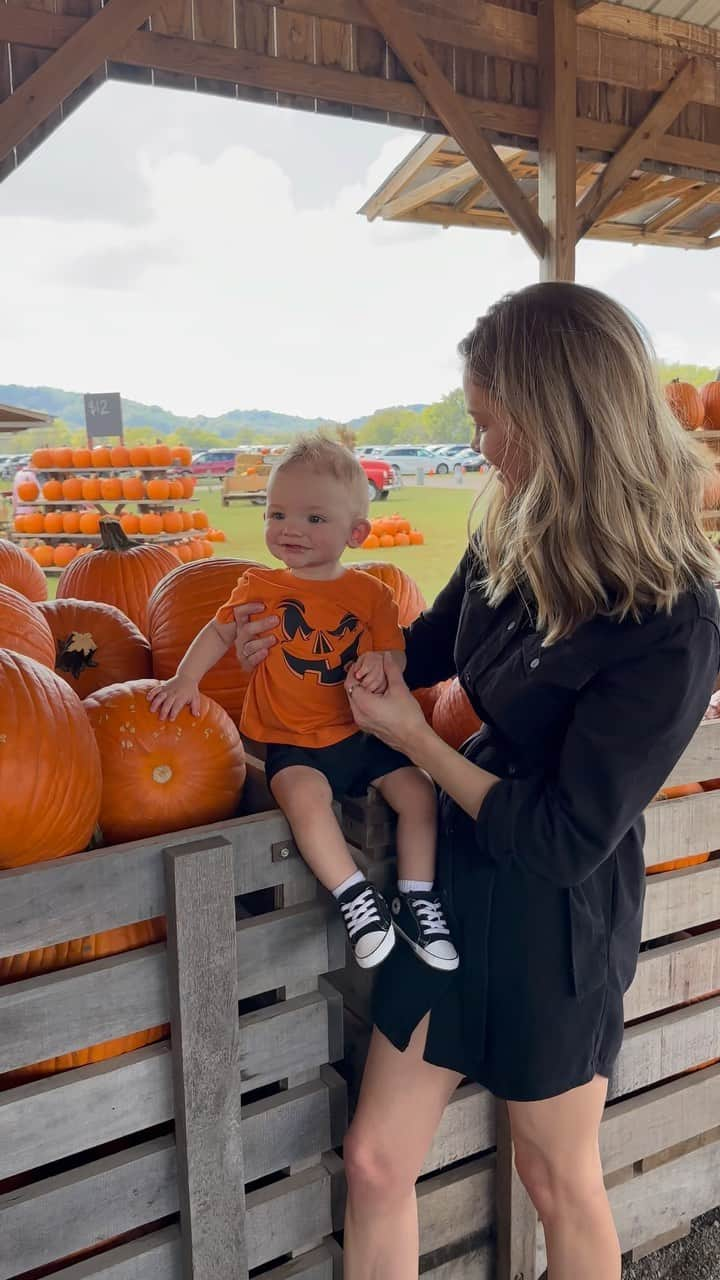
(113, 536)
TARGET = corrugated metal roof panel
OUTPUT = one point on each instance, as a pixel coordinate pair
(704, 13)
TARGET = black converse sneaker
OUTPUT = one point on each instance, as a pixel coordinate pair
(367, 920)
(420, 920)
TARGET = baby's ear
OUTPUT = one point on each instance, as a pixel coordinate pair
(359, 532)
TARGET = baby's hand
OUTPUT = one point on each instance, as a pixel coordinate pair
(369, 671)
(168, 698)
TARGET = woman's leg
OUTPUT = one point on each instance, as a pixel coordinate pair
(401, 1102)
(558, 1160)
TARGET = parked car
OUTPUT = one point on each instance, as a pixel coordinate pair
(478, 462)
(407, 460)
(214, 462)
(380, 476)
(369, 451)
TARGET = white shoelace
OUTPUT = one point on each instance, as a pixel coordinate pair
(361, 911)
(431, 917)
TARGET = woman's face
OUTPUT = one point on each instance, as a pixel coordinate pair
(493, 435)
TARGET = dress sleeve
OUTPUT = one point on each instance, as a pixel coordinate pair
(632, 723)
(430, 641)
(240, 595)
(385, 628)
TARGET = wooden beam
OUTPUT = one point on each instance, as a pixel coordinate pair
(439, 215)
(425, 72)
(421, 155)
(437, 186)
(86, 50)
(557, 172)
(639, 191)
(635, 148)
(679, 209)
(517, 1220)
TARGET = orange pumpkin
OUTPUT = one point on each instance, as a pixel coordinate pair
(19, 571)
(139, 456)
(89, 521)
(180, 773)
(427, 699)
(101, 456)
(371, 543)
(52, 491)
(710, 396)
(181, 454)
(111, 488)
(72, 489)
(95, 645)
(158, 490)
(151, 522)
(402, 539)
(187, 521)
(19, 524)
(41, 459)
(49, 751)
(64, 554)
(130, 523)
(453, 717)
(695, 859)
(27, 491)
(119, 456)
(686, 403)
(65, 955)
(417, 539)
(133, 488)
(172, 522)
(71, 522)
(63, 458)
(82, 458)
(53, 522)
(24, 629)
(200, 520)
(183, 552)
(160, 455)
(188, 484)
(176, 490)
(43, 556)
(91, 489)
(387, 540)
(34, 522)
(179, 607)
(406, 592)
(120, 573)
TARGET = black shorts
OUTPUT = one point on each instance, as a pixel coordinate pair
(350, 766)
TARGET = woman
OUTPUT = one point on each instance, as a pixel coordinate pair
(583, 625)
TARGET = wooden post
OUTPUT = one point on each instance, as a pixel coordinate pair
(202, 978)
(557, 63)
(516, 1217)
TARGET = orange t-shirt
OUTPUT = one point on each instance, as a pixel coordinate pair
(297, 695)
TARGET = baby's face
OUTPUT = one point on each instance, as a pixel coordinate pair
(310, 521)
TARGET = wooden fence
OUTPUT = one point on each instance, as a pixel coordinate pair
(235, 1130)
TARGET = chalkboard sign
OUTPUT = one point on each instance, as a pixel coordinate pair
(103, 415)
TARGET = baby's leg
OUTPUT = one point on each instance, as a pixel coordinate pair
(412, 795)
(305, 797)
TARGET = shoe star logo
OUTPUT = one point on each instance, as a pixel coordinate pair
(396, 906)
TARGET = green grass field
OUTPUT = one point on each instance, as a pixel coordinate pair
(441, 514)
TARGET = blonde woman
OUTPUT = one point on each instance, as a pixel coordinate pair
(583, 624)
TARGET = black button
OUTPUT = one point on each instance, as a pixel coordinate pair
(512, 770)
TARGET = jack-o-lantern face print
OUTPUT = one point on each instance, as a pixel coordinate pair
(321, 654)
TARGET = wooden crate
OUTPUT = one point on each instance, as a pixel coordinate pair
(92, 1155)
(660, 1140)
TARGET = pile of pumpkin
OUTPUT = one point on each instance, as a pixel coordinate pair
(392, 531)
(92, 522)
(695, 410)
(119, 456)
(130, 488)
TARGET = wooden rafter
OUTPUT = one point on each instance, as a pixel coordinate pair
(86, 50)
(557, 169)
(405, 172)
(635, 148)
(437, 186)
(479, 188)
(709, 227)
(415, 56)
(694, 199)
(638, 192)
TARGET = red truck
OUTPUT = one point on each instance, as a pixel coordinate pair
(380, 477)
(221, 462)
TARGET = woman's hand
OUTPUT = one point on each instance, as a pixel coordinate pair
(253, 643)
(393, 716)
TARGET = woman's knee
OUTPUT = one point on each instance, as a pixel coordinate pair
(373, 1170)
(559, 1187)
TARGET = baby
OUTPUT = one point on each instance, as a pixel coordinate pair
(331, 620)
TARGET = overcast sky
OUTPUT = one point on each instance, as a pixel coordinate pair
(205, 255)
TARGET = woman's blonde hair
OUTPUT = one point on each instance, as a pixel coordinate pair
(607, 519)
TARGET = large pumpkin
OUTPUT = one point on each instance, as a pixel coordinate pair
(179, 607)
(118, 573)
(406, 592)
(95, 645)
(710, 395)
(694, 859)
(49, 765)
(163, 775)
(23, 628)
(65, 955)
(453, 717)
(686, 403)
(19, 571)
(427, 699)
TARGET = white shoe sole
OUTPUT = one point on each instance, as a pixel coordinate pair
(380, 953)
(434, 962)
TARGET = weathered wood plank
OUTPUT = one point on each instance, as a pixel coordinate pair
(477, 1264)
(174, 18)
(293, 1214)
(106, 888)
(456, 1205)
(701, 759)
(660, 1118)
(677, 900)
(157, 1257)
(297, 1035)
(666, 1046)
(517, 1221)
(214, 23)
(680, 827)
(557, 160)
(202, 983)
(467, 1127)
(674, 974)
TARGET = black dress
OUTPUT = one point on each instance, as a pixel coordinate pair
(545, 890)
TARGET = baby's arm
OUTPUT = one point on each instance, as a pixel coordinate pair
(208, 647)
(369, 670)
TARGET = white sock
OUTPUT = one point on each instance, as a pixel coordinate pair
(356, 878)
(415, 886)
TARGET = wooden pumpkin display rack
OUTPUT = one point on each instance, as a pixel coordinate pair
(149, 490)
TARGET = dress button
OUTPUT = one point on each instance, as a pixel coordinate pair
(535, 663)
(512, 770)
(510, 626)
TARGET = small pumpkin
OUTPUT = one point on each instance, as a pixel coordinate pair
(95, 645)
(64, 555)
(180, 773)
(71, 522)
(406, 592)
(181, 454)
(101, 457)
(49, 751)
(53, 522)
(19, 524)
(200, 520)
(133, 488)
(371, 543)
(52, 491)
(118, 573)
(130, 523)
(187, 521)
(454, 719)
(175, 490)
(139, 456)
(41, 459)
(27, 491)
(91, 491)
(63, 458)
(172, 522)
(158, 489)
(417, 539)
(82, 458)
(160, 455)
(72, 489)
(693, 860)
(43, 556)
(119, 456)
(151, 522)
(188, 484)
(710, 395)
(686, 403)
(89, 522)
(24, 629)
(402, 539)
(19, 571)
(111, 488)
(34, 522)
